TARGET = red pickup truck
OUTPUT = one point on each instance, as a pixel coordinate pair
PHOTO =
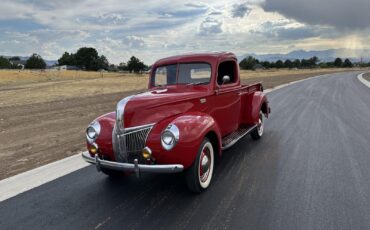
(195, 108)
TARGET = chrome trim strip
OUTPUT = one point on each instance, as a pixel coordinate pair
(173, 168)
(138, 128)
(120, 110)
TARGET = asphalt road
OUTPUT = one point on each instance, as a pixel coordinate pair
(311, 170)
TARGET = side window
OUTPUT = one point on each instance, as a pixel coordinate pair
(226, 68)
(194, 73)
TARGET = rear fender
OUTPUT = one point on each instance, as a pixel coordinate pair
(193, 129)
(259, 103)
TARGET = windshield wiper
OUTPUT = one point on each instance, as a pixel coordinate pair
(198, 83)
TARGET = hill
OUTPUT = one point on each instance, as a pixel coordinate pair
(323, 55)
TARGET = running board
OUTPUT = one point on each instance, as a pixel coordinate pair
(235, 136)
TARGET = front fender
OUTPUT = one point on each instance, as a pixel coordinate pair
(193, 128)
(104, 140)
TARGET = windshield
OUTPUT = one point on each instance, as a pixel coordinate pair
(185, 73)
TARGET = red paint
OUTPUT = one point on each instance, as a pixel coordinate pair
(226, 108)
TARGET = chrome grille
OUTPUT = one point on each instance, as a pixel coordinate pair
(135, 141)
(131, 143)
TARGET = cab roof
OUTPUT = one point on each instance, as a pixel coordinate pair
(205, 57)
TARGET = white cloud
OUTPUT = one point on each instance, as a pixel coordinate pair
(240, 10)
(210, 26)
(155, 29)
(352, 14)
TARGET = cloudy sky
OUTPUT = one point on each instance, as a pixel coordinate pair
(155, 29)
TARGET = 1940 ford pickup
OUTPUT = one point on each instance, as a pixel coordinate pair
(195, 108)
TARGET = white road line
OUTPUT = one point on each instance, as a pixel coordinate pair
(23, 182)
(362, 80)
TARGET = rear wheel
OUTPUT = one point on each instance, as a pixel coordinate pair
(258, 131)
(199, 175)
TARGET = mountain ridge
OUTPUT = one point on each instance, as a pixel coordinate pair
(328, 55)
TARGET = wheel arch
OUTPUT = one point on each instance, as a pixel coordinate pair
(194, 127)
(216, 142)
(259, 103)
(265, 108)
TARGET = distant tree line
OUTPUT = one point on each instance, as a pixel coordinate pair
(33, 62)
(86, 58)
(10, 63)
(251, 63)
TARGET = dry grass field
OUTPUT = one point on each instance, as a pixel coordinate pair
(43, 114)
(25, 87)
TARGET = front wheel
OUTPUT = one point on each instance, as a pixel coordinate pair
(199, 175)
(258, 131)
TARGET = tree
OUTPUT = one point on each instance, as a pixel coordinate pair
(67, 59)
(313, 61)
(305, 63)
(248, 63)
(15, 58)
(266, 64)
(86, 58)
(279, 64)
(297, 63)
(35, 62)
(101, 63)
(134, 64)
(5, 63)
(122, 66)
(288, 64)
(347, 63)
(338, 62)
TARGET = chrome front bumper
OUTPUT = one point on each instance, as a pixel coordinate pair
(128, 167)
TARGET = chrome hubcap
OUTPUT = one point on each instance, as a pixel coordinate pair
(260, 125)
(204, 166)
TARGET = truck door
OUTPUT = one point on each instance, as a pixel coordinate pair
(227, 103)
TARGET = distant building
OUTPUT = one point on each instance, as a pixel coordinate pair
(18, 63)
(258, 66)
(66, 67)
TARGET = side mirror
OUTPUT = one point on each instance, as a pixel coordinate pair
(225, 79)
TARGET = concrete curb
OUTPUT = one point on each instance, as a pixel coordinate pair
(362, 80)
(25, 181)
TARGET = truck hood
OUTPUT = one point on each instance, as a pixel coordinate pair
(156, 105)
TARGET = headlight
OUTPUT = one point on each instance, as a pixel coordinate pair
(93, 131)
(170, 136)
